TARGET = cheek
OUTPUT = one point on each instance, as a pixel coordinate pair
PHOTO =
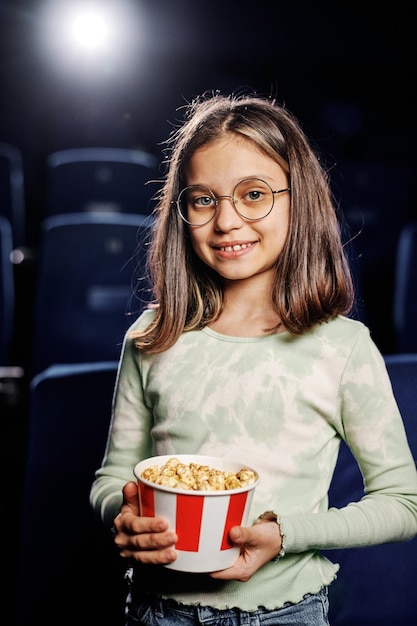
(197, 240)
(197, 247)
(277, 228)
(282, 226)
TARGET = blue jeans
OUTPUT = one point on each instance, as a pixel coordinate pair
(311, 611)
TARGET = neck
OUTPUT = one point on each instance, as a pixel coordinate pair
(247, 311)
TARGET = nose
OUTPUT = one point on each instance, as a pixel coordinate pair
(226, 217)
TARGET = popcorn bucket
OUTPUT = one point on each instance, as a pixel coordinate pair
(201, 519)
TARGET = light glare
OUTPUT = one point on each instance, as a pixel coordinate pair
(91, 40)
(89, 30)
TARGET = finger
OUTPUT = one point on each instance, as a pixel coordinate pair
(155, 557)
(239, 535)
(133, 524)
(146, 541)
(131, 496)
(157, 548)
(242, 570)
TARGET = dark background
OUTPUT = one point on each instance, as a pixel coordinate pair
(346, 69)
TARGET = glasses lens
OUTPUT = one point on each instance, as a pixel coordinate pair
(253, 198)
(196, 205)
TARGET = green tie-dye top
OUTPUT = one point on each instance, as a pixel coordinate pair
(281, 404)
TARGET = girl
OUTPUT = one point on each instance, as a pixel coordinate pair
(248, 353)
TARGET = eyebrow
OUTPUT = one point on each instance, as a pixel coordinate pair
(267, 179)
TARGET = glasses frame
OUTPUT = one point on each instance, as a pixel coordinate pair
(231, 198)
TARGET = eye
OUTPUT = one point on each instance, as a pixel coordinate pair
(253, 195)
(252, 192)
(202, 202)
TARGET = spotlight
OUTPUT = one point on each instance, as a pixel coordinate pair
(89, 29)
(89, 38)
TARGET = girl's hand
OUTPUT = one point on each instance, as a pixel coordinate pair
(258, 544)
(142, 539)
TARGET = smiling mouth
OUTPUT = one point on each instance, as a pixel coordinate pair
(236, 247)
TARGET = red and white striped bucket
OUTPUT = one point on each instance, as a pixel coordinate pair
(201, 519)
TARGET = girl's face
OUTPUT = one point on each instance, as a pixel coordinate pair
(235, 248)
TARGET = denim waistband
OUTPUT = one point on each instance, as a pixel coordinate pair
(312, 610)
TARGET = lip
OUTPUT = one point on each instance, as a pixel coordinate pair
(233, 249)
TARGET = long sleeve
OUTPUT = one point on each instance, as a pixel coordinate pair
(372, 427)
(129, 437)
(280, 404)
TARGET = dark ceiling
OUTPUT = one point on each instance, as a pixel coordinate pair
(345, 68)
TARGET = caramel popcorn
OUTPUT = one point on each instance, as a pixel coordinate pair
(197, 477)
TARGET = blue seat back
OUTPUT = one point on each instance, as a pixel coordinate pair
(7, 291)
(100, 180)
(376, 586)
(12, 192)
(68, 564)
(405, 292)
(91, 285)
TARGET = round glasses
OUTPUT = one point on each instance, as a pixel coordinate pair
(252, 198)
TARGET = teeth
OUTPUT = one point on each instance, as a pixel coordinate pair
(236, 247)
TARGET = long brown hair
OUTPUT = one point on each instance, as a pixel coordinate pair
(313, 282)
